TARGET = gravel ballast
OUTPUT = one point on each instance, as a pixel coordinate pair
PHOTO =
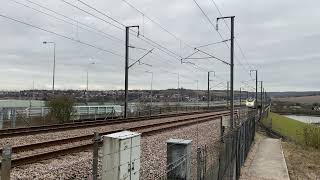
(153, 155)
(43, 137)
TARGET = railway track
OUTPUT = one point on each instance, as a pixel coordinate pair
(4, 133)
(35, 152)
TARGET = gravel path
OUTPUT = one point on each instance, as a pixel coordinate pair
(153, 155)
(244, 175)
(23, 140)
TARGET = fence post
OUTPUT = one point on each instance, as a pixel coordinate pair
(43, 116)
(1, 118)
(13, 117)
(95, 159)
(150, 111)
(221, 129)
(199, 164)
(88, 112)
(112, 112)
(95, 113)
(6, 162)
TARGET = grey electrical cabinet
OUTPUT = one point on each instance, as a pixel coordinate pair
(121, 156)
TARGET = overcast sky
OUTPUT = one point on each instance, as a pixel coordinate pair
(279, 38)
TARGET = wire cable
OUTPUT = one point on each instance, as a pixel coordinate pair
(72, 5)
(146, 39)
(156, 23)
(60, 35)
(209, 20)
(216, 6)
(106, 35)
(109, 17)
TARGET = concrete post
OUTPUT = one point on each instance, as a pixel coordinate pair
(6, 162)
(1, 118)
(178, 159)
(200, 164)
(13, 117)
(222, 128)
(96, 140)
(89, 115)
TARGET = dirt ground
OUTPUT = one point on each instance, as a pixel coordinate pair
(303, 162)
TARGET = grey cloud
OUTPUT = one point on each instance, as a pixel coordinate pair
(276, 36)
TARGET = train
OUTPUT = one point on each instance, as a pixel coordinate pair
(251, 103)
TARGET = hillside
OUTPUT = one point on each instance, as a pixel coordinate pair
(301, 99)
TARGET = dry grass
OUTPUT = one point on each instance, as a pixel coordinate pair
(311, 135)
(302, 99)
(303, 162)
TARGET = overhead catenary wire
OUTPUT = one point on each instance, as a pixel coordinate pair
(156, 23)
(155, 56)
(213, 26)
(104, 34)
(84, 43)
(147, 40)
(241, 51)
(60, 35)
(213, 43)
(167, 30)
(91, 14)
(163, 28)
(171, 61)
(247, 85)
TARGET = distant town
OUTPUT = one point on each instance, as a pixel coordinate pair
(117, 96)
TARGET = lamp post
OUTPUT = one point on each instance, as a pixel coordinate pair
(150, 87)
(178, 88)
(197, 95)
(54, 62)
(256, 98)
(261, 92)
(231, 67)
(90, 63)
(214, 74)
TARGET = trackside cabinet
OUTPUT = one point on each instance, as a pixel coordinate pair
(121, 156)
(179, 159)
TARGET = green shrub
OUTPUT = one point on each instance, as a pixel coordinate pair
(61, 107)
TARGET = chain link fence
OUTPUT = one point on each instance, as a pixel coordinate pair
(37, 116)
(219, 159)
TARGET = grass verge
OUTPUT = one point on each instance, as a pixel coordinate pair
(287, 127)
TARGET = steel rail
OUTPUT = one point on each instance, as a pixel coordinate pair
(144, 129)
(4, 133)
